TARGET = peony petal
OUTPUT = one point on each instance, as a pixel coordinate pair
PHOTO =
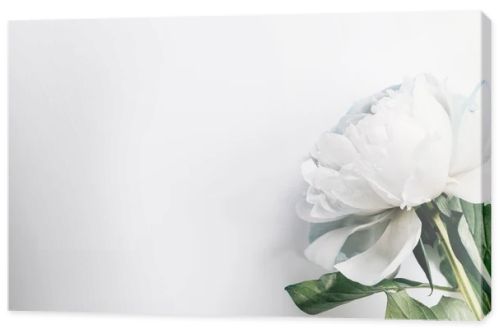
(362, 240)
(432, 155)
(313, 195)
(472, 134)
(440, 92)
(318, 177)
(355, 191)
(317, 230)
(316, 213)
(473, 186)
(324, 250)
(360, 109)
(384, 257)
(323, 178)
(334, 150)
(387, 166)
(308, 169)
(331, 191)
(365, 168)
(426, 107)
(430, 173)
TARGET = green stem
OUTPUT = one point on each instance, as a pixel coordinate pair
(463, 282)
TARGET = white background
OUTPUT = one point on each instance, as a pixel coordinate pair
(84, 323)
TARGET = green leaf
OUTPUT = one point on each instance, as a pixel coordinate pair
(473, 252)
(401, 306)
(454, 204)
(429, 237)
(334, 289)
(452, 309)
(423, 261)
(473, 214)
(479, 228)
(445, 267)
(487, 236)
(479, 285)
(478, 217)
(441, 203)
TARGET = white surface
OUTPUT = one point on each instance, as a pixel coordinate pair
(15, 322)
(154, 164)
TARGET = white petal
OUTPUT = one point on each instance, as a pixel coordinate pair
(369, 158)
(334, 195)
(313, 195)
(308, 168)
(439, 91)
(316, 213)
(317, 230)
(362, 240)
(472, 134)
(334, 150)
(473, 186)
(426, 108)
(358, 111)
(323, 178)
(381, 190)
(430, 174)
(317, 176)
(387, 166)
(355, 191)
(384, 257)
(323, 208)
(325, 249)
(432, 156)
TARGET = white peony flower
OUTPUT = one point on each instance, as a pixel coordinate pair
(389, 154)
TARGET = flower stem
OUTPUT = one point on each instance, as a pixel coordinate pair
(463, 282)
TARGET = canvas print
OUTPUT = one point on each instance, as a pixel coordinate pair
(333, 166)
